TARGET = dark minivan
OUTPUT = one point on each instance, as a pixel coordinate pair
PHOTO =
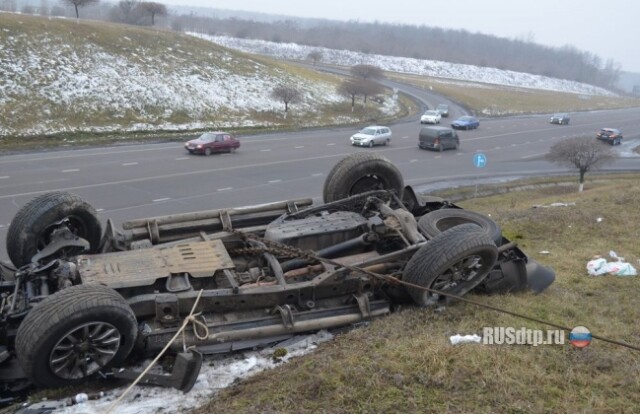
(438, 138)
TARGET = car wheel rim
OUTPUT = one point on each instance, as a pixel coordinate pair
(459, 273)
(84, 350)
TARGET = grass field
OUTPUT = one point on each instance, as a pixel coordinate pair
(493, 100)
(68, 82)
(405, 363)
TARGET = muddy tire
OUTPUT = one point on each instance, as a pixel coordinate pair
(75, 333)
(453, 262)
(359, 173)
(31, 228)
(438, 221)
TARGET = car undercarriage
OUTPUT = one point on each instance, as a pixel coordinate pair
(77, 300)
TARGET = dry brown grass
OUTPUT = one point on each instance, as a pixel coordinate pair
(495, 100)
(405, 363)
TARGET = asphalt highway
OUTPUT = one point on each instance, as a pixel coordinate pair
(135, 181)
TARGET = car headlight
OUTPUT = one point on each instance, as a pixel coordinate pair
(199, 146)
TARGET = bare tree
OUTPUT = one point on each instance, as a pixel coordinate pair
(350, 88)
(366, 72)
(127, 11)
(315, 56)
(369, 88)
(154, 9)
(79, 3)
(582, 153)
(287, 94)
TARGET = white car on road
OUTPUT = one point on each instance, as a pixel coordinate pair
(430, 117)
(372, 135)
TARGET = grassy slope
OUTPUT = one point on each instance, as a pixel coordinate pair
(492, 100)
(144, 51)
(404, 362)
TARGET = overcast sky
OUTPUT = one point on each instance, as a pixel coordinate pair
(608, 28)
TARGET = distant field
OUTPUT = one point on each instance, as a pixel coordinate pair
(493, 100)
(404, 363)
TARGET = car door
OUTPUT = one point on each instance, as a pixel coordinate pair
(378, 138)
(219, 144)
(446, 140)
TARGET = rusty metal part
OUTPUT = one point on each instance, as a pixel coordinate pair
(144, 267)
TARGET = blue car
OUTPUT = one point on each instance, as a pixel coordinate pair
(465, 122)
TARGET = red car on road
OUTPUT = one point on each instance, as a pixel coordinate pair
(211, 142)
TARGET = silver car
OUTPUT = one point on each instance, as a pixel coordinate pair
(372, 135)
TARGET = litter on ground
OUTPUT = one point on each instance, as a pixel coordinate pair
(599, 266)
(464, 339)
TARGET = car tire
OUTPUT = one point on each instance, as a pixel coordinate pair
(95, 315)
(453, 262)
(439, 221)
(361, 172)
(34, 223)
(207, 151)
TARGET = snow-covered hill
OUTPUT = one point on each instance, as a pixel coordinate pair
(410, 65)
(61, 76)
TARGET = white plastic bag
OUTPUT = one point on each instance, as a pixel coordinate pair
(597, 267)
(600, 267)
(463, 339)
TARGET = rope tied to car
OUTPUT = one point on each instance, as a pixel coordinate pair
(195, 324)
(189, 319)
(307, 254)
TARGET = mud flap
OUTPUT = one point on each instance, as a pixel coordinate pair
(517, 275)
(183, 376)
(506, 277)
(539, 277)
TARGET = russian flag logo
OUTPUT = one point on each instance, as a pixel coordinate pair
(580, 337)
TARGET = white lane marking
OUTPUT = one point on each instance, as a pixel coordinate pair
(413, 160)
(99, 209)
(265, 150)
(459, 153)
(405, 137)
(71, 170)
(533, 155)
(438, 156)
(225, 189)
(182, 158)
(330, 144)
(129, 163)
(157, 200)
(274, 181)
(513, 145)
(4, 177)
(1, 226)
(317, 175)
(299, 146)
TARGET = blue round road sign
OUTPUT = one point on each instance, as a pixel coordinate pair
(479, 160)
